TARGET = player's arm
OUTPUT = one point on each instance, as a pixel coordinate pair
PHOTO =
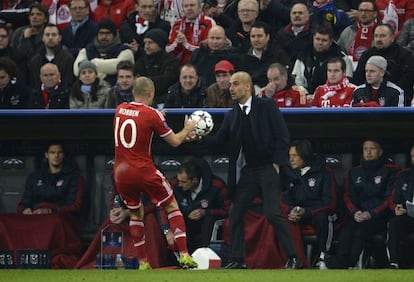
(176, 139)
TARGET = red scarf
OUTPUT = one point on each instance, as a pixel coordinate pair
(363, 40)
(196, 27)
(341, 85)
(46, 95)
(141, 25)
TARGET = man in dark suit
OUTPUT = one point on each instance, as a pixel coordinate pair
(258, 141)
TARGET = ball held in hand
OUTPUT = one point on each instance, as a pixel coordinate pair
(204, 122)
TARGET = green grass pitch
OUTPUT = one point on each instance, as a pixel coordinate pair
(207, 275)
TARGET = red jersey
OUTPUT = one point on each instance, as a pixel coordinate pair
(288, 98)
(134, 127)
(195, 32)
(334, 95)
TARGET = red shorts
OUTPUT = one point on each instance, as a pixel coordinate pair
(147, 180)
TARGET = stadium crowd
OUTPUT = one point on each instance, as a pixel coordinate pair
(159, 38)
(80, 54)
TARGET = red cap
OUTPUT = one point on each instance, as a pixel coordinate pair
(224, 66)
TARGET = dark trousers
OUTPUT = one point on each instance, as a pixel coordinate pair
(265, 182)
(399, 229)
(321, 223)
(354, 237)
(199, 232)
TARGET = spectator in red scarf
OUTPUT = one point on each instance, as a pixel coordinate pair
(51, 94)
(357, 38)
(187, 33)
(337, 91)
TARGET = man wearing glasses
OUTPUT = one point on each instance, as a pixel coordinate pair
(358, 37)
(238, 33)
(82, 28)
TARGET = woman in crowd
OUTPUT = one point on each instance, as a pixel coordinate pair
(89, 92)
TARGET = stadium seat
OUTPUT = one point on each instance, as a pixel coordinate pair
(13, 173)
(168, 164)
(102, 190)
(219, 165)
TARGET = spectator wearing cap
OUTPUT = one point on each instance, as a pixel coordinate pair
(89, 91)
(218, 94)
(377, 90)
(143, 19)
(161, 67)
(105, 52)
(116, 10)
(281, 88)
(215, 48)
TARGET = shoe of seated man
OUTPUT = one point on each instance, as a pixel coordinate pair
(393, 265)
(144, 266)
(187, 262)
(235, 265)
(321, 264)
(292, 263)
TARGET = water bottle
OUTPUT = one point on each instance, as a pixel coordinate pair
(119, 263)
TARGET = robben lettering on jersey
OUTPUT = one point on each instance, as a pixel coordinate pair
(134, 127)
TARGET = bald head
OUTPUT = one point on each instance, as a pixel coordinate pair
(241, 87)
(216, 38)
(49, 75)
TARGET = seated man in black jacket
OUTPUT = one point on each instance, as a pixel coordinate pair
(368, 191)
(310, 198)
(201, 197)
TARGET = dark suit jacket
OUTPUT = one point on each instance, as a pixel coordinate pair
(269, 130)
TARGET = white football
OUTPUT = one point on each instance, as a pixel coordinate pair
(204, 122)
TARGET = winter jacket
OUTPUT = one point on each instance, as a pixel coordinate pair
(368, 187)
(315, 190)
(61, 191)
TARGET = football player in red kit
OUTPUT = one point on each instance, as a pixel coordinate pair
(135, 124)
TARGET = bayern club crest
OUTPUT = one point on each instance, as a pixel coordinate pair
(311, 182)
(377, 179)
(204, 204)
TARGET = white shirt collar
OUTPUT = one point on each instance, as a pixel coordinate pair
(248, 104)
(197, 190)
